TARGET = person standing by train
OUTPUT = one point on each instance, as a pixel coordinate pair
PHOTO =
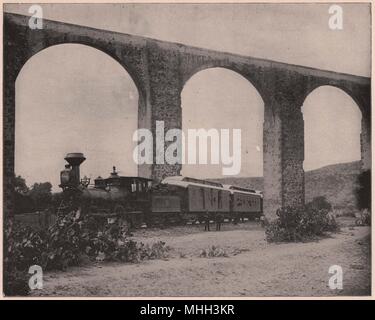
(219, 220)
(207, 221)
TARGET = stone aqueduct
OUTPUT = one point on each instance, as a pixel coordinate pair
(160, 70)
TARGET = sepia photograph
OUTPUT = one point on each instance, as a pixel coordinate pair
(171, 150)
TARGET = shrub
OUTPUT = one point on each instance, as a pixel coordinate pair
(363, 218)
(319, 203)
(301, 224)
(68, 242)
(15, 277)
(212, 252)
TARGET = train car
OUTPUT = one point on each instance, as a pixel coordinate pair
(245, 203)
(192, 198)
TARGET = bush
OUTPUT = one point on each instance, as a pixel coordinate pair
(319, 203)
(16, 283)
(363, 218)
(17, 249)
(301, 224)
(212, 252)
(70, 241)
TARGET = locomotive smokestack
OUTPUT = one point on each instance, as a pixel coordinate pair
(75, 160)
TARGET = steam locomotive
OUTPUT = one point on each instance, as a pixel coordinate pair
(137, 201)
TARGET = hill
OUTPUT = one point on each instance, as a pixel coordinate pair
(336, 182)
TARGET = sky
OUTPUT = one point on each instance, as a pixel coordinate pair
(76, 98)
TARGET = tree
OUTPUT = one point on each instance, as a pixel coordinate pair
(22, 201)
(19, 184)
(41, 195)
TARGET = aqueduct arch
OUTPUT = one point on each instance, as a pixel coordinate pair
(160, 69)
(332, 109)
(233, 102)
(363, 101)
(49, 74)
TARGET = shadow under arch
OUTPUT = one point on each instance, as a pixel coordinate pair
(227, 81)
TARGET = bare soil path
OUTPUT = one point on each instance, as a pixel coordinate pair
(250, 267)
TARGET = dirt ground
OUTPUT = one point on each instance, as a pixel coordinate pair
(249, 266)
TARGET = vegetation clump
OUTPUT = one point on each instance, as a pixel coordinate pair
(302, 224)
(213, 252)
(363, 218)
(71, 241)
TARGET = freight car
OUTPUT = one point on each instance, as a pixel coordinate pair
(190, 199)
(245, 203)
(136, 201)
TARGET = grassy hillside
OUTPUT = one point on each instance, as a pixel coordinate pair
(336, 182)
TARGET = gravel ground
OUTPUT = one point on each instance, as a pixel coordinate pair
(248, 266)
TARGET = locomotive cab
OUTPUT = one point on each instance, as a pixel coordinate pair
(99, 183)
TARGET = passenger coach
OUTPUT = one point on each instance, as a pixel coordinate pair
(192, 199)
